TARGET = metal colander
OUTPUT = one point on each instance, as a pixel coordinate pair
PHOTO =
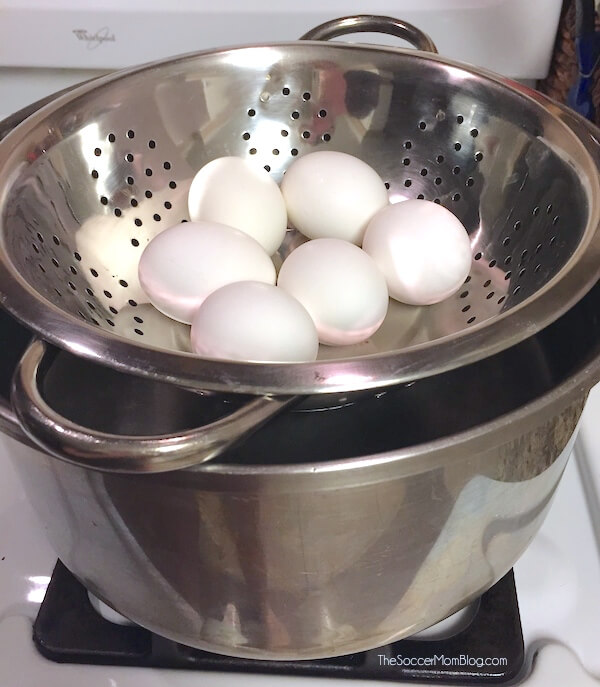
(90, 179)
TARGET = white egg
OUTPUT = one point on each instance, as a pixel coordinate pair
(241, 194)
(422, 249)
(256, 322)
(332, 195)
(340, 286)
(181, 266)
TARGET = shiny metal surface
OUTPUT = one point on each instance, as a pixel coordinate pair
(371, 23)
(128, 453)
(299, 564)
(324, 533)
(88, 180)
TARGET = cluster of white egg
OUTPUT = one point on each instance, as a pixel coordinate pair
(215, 272)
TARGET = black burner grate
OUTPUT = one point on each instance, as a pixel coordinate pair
(488, 651)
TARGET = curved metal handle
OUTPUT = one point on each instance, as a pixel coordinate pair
(88, 448)
(371, 23)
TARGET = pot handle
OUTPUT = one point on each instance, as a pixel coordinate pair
(102, 451)
(371, 23)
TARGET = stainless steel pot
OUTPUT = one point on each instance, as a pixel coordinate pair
(276, 551)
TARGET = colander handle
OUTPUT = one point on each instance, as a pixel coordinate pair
(89, 448)
(371, 23)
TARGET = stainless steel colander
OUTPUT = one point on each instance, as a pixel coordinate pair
(88, 180)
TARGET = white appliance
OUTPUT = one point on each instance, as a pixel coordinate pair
(46, 45)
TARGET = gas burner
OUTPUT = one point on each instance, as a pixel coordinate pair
(486, 649)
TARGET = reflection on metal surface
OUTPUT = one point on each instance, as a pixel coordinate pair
(90, 182)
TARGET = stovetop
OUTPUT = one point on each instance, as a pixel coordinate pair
(557, 581)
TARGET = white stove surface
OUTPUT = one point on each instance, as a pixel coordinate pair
(558, 586)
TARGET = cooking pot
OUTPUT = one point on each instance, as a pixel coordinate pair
(326, 532)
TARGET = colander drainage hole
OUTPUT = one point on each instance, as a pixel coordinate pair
(114, 311)
(477, 256)
(138, 222)
(139, 331)
(306, 95)
(406, 161)
(407, 145)
(456, 197)
(151, 144)
(460, 119)
(129, 157)
(387, 185)
(474, 132)
(108, 294)
(466, 308)
(471, 320)
(295, 114)
(246, 136)
(294, 151)
(439, 159)
(130, 133)
(306, 134)
(111, 138)
(421, 196)
(478, 156)
(501, 300)
(322, 113)
(132, 303)
(456, 170)
(326, 137)
(457, 146)
(285, 91)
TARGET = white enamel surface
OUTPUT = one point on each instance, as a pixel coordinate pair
(332, 195)
(181, 266)
(254, 322)
(241, 194)
(340, 286)
(423, 250)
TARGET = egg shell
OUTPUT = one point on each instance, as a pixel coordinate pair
(240, 194)
(332, 195)
(181, 266)
(422, 249)
(341, 288)
(252, 321)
